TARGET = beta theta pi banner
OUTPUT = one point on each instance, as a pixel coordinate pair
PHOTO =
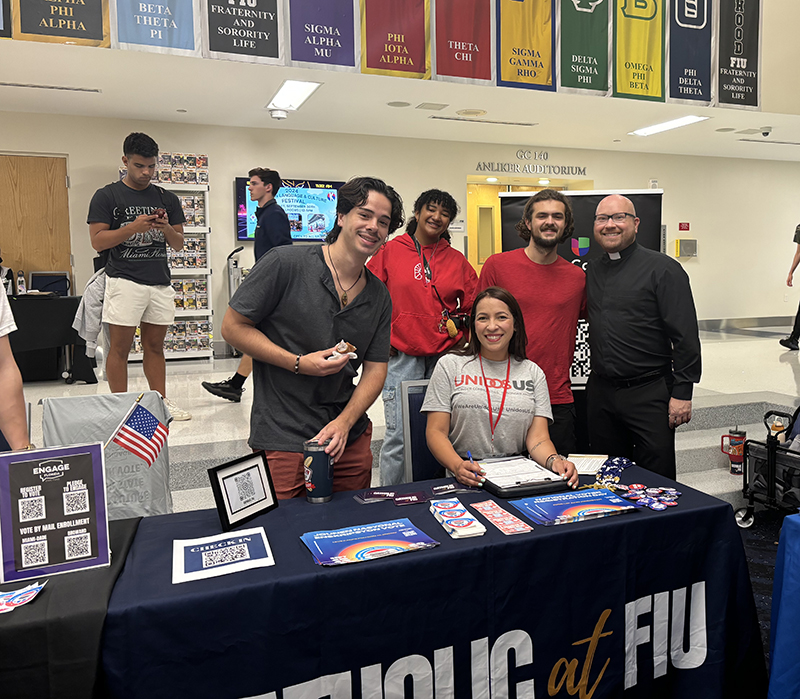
(525, 44)
(690, 24)
(82, 22)
(464, 39)
(639, 49)
(739, 48)
(168, 26)
(395, 38)
(584, 44)
(242, 30)
(323, 32)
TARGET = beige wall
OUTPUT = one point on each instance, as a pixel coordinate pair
(742, 212)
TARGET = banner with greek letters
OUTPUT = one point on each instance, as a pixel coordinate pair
(526, 44)
(169, 26)
(85, 23)
(463, 39)
(739, 54)
(243, 30)
(689, 51)
(639, 49)
(5, 18)
(395, 38)
(323, 34)
(583, 56)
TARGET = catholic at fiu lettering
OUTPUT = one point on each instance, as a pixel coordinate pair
(62, 16)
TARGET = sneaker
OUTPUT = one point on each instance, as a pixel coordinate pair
(224, 389)
(789, 343)
(176, 412)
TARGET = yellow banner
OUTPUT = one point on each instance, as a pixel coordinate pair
(525, 43)
(639, 49)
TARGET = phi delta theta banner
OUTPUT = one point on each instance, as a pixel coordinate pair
(639, 49)
(526, 44)
(245, 30)
(739, 52)
(323, 33)
(689, 49)
(395, 38)
(81, 22)
(463, 30)
(584, 45)
(169, 26)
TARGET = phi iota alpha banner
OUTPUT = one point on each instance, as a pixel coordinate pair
(169, 26)
(739, 49)
(639, 49)
(584, 44)
(81, 22)
(464, 39)
(244, 30)
(395, 38)
(525, 44)
(323, 32)
(690, 24)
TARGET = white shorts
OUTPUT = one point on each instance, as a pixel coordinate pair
(128, 303)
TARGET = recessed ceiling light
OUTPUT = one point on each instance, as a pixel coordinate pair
(471, 112)
(727, 129)
(433, 106)
(667, 125)
(292, 94)
(491, 179)
(544, 181)
(398, 104)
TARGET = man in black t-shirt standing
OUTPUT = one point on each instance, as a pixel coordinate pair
(790, 342)
(132, 221)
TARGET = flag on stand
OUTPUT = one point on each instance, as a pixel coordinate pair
(142, 434)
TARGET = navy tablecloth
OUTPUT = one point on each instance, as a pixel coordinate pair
(784, 656)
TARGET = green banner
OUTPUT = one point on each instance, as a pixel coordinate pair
(584, 44)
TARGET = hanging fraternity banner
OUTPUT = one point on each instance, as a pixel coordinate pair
(739, 52)
(464, 40)
(169, 26)
(243, 30)
(690, 36)
(639, 49)
(584, 45)
(323, 33)
(81, 22)
(5, 18)
(395, 38)
(525, 44)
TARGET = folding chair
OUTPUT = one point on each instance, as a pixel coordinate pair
(420, 464)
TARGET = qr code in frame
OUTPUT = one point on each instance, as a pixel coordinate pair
(31, 509)
(581, 360)
(77, 546)
(245, 488)
(34, 553)
(230, 554)
(76, 502)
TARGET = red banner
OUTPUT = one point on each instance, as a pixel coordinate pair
(464, 39)
(395, 38)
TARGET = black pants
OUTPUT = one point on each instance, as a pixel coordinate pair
(796, 329)
(562, 431)
(632, 422)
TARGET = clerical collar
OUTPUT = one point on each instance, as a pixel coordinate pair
(622, 254)
(614, 256)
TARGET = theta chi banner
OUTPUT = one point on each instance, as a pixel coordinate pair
(526, 44)
(323, 33)
(464, 40)
(169, 26)
(689, 49)
(81, 22)
(395, 38)
(243, 31)
(584, 45)
(639, 49)
(739, 53)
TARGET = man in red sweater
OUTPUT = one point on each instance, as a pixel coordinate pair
(552, 295)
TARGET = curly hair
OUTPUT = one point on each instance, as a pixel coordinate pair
(433, 196)
(355, 193)
(546, 195)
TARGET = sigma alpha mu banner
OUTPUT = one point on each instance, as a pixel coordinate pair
(690, 24)
(395, 38)
(81, 22)
(464, 40)
(243, 30)
(323, 32)
(584, 44)
(639, 49)
(526, 44)
(169, 26)
(739, 53)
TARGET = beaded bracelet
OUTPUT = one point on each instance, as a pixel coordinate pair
(297, 364)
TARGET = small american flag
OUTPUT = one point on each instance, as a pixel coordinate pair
(142, 434)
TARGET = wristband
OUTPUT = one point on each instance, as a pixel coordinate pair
(297, 364)
(550, 459)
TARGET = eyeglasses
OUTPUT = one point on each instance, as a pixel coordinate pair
(602, 219)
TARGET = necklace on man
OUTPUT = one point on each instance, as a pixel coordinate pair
(344, 291)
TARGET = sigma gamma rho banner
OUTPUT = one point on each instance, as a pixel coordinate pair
(526, 44)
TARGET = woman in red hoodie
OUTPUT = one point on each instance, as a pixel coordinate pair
(432, 286)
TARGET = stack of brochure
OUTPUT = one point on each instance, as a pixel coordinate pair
(563, 508)
(455, 519)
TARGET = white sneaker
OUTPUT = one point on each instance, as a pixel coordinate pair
(176, 412)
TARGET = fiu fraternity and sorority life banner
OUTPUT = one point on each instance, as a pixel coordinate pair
(464, 40)
(395, 38)
(639, 49)
(526, 44)
(738, 40)
(323, 33)
(584, 45)
(85, 23)
(243, 30)
(168, 26)
(690, 37)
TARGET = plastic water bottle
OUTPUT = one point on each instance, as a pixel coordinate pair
(21, 288)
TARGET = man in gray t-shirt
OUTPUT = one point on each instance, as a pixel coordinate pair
(791, 341)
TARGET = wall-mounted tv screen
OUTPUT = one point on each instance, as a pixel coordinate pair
(309, 204)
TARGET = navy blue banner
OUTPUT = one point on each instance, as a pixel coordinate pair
(690, 25)
(5, 18)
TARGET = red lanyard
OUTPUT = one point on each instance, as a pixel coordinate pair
(493, 423)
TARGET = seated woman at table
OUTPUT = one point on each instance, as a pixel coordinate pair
(488, 400)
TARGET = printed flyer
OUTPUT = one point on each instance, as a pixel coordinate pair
(563, 508)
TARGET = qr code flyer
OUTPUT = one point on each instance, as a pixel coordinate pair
(195, 559)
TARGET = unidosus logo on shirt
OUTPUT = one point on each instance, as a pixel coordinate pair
(469, 380)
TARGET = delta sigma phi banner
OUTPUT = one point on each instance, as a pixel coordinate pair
(639, 49)
(81, 22)
(584, 45)
(323, 33)
(169, 26)
(395, 38)
(464, 40)
(525, 44)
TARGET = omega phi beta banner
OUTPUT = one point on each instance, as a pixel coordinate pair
(639, 49)
(739, 49)
(584, 45)
(243, 30)
(689, 50)
(323, 33)
(395, 38)
(168, 26)
(81, 22)
(525, 44)
(464, 40)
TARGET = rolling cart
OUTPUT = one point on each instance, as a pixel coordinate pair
(235, 276)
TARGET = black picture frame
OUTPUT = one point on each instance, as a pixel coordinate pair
(228, 483)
